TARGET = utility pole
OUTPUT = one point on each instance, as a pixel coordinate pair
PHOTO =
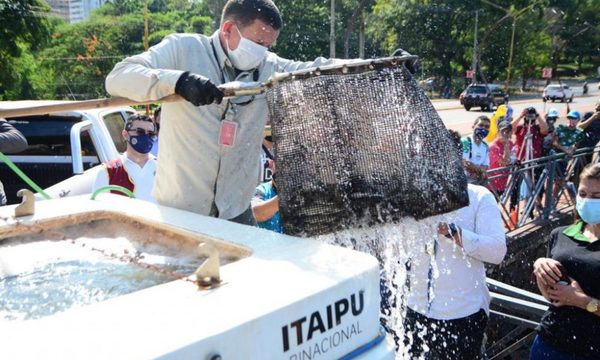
(514, 14)
(510, 55)
(361, 38)
(474, 66)
(332, 30)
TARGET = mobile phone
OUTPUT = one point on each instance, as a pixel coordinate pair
(564, 279)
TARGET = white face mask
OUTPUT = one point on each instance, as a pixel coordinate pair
(248, 54)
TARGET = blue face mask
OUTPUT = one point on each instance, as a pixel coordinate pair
(141, 143)
(481, 132)
(589, 210)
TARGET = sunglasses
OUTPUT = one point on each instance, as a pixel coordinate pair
(141, 132)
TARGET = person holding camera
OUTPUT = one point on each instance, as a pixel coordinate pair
(551, 117)
(530, 130)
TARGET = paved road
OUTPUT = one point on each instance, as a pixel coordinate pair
(456, 117)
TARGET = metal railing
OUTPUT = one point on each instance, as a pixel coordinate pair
(539, 188)
(521, 309)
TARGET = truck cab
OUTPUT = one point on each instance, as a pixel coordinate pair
(63, 145)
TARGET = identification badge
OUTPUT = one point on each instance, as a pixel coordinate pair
(430, 248)
(227, 133)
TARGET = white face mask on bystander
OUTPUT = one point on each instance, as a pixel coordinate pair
(248, 55)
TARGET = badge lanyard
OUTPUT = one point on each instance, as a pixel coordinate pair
(431, 250)
(228, 128)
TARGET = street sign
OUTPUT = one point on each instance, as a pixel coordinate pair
(470, 74)
(547, 73)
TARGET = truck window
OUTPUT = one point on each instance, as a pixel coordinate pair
(114, 123)
(51, 135)
(476, 90)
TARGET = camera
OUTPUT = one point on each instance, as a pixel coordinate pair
(531, 114)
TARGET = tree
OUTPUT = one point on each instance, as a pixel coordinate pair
(305, 33)
(438, 33)
(574, 27)
(24, 28)
(81, 55)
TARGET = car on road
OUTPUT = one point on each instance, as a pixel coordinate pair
(558, 92)
(428, 84)
(485, 96)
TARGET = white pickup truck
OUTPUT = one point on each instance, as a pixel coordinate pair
(558, 92)
(274, 296)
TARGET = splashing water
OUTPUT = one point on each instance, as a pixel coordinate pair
(393, 245)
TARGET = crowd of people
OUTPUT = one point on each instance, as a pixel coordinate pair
(530, 136)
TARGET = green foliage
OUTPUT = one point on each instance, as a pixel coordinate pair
(82, 54)
(42, 57)
(23, 28)
(305, 33)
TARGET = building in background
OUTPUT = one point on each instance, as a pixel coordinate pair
(74, 11)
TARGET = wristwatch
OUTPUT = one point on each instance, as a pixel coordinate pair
(592, 306)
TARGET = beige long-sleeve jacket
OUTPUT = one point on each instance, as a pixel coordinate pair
(193, 169)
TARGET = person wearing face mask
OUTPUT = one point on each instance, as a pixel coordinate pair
(566, 138)
(502, 153)
(551, 117)
(210, 147)
(476, 152)
(136, 167)
(568, 278)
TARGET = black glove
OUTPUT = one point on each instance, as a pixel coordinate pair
(411, 65)
(197, 89)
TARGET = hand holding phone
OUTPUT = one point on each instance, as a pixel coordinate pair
(564, 278)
